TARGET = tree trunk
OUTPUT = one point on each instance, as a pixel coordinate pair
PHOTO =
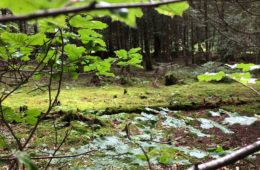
(206, 29)
(147, 56)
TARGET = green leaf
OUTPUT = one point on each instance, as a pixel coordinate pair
(10, 115)
(3, 143)
(127, 16)
(90, 67)
(28, 6)
(90, 33)
(26, 160)
(51, 24)
(92, 39)
(74, 75)
(3, 53)
(173, 9)
(78, 21)
(30, 120)
(37, 76)
(31, 116)
(85, 22)
(121, 54)
(211, 76)
(165, 159)
(14, 38)
(245, 67)
(134, 50)
(33, 112)
(73, 51)
(37, 39)
(244, 78)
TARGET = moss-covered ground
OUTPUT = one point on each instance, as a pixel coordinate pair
(115, 96)
(167, 147)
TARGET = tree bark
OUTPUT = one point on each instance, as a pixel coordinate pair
(147, 56)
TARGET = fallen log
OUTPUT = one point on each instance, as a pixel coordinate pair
(228, 159)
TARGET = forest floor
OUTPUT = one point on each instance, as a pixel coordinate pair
(130, 127)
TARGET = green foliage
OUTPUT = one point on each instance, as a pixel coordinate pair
(3, 143)
(244, 77)
(211, 76)
(127, 16)
(19, 46)
(31, 116)
(101, 67)
(129, 58)
(74, 52)
(87, 22)
(245, 67)
(173, 9)
(10, 115)
(28, 6)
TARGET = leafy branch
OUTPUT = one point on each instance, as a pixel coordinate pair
(92, 6)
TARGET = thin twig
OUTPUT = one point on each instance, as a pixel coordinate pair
(146, 156)
(58, 148)
(55, 99)
(7, 159)
(249, 87)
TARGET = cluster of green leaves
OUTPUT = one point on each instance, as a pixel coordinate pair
(87, 41)
(29, 116)
(211, 76)
(244, 77)
(129, 58)
(125, 15)
(81, 41)
(173, 9)
(19, 46)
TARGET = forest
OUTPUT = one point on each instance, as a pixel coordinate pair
(130, 84)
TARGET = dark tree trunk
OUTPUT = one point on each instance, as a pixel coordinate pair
(147, 56)
(206, 29)
(192, 42)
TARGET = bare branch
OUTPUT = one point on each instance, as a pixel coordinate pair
(246, 10)
(58, 148)
(42, 157)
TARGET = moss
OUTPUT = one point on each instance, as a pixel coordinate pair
(247, 109)
(101, 98)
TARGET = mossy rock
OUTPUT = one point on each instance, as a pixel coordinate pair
(172, 78)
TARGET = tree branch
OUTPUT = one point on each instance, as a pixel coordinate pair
(229, 159)
(90, 7)
(250, 87)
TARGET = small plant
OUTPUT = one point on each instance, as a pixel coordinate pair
(242, 76)
(129, 58)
